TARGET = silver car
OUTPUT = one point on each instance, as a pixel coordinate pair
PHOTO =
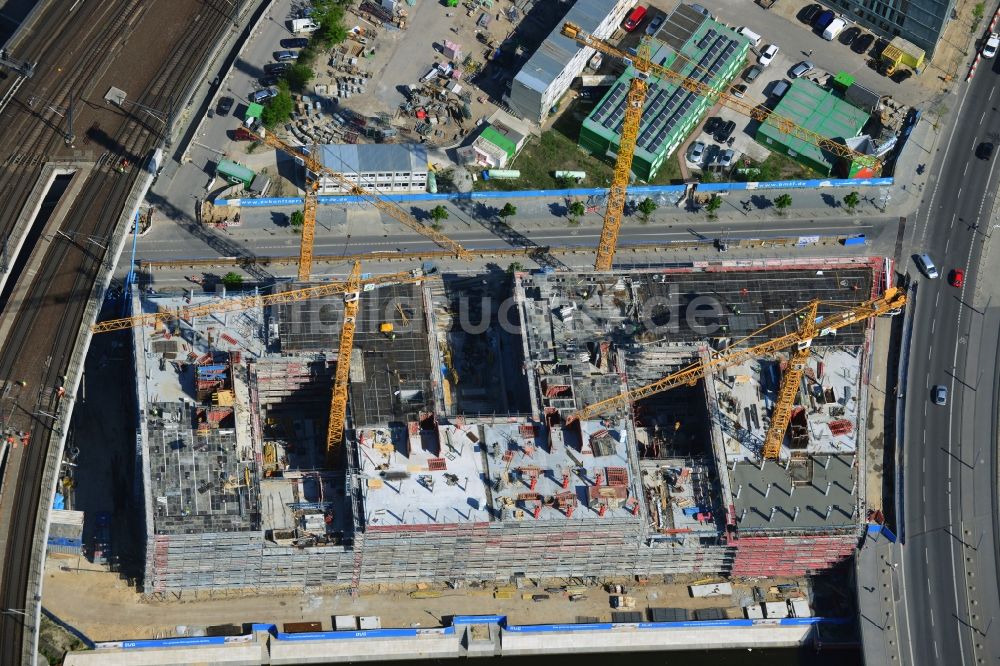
(801, 69)
(940, 395)
(696, 153)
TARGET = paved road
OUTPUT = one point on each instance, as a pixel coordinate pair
(948, 564)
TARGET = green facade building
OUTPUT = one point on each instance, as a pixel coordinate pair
(821, 111)
(709, 52)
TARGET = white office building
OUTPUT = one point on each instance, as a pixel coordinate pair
(391, 168)
(547, 74)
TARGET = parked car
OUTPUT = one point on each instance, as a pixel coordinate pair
(725, 131)
(224, 106)
(751, 73)
(739, 90)
(992, 43)
(696, 152)
(726, 158)
(268, 81)
(655, 24)
(767, 55)
(940, 395)
(848, 36)
(863, 42)
(713, 124)
(901, 75)
(712, 153)
(262, 96)
(984, 151)
(809, 13)
(284, 56)
(295, 43)
(823, 19)
(779, 88)
(801, 69)
(701, 10)
(956, 278)
(276, 67)
(634, 19)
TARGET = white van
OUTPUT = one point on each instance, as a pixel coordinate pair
(835, 28)
(749, 34)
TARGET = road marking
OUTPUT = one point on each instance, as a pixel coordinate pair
(964, 171)
(982, 118)
(937, 655)
(992, 90)
(927, 559)
(933, 324)
(959, 193)
(930, 206)
(947, 243)
(928, 592)
(937, 297)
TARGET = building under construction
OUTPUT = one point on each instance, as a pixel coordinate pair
(462, 460)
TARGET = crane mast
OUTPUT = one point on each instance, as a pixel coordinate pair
(891, 301)
(618, 191)
(338, 402)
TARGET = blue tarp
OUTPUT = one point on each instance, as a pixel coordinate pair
(269, 202)
(59, 502)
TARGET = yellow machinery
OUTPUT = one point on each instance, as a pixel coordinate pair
(351, 288)
(633, 116)
(247, 302)
(618, 191)
(338, 404)
(309, 224)
(890, 302)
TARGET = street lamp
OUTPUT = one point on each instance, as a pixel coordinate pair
(10, 611)
(90, 239)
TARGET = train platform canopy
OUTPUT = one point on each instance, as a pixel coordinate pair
(818, 110)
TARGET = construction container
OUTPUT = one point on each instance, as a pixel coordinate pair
(754, 612)
(710, 614)
(345, 622)
(775, 609)
(370, 622)
(800, 608)
(235, 174)
(302, 627)
(669, 614)
(711, 590)
(626, 617)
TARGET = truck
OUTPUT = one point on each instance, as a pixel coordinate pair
(834, 29)
(304, 25)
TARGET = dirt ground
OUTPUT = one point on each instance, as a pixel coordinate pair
(72, 594)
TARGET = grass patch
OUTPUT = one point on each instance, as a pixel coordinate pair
(776, 167)
(555, 149)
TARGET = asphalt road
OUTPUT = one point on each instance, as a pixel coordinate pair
(947, 566)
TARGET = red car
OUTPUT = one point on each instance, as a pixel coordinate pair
(956, 278)
(634, 19)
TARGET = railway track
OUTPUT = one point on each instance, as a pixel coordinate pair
(33, 136)
(39, 348)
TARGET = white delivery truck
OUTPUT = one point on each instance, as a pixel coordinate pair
(304, 25)
(835, 28)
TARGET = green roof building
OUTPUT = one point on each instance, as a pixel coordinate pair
(712, 53)
(820, 111)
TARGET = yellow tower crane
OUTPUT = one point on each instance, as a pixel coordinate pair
(247, 302)
(812, 327)
(338, 403)
(633, 115)
(309, 224)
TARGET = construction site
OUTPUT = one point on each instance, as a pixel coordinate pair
(493, 431)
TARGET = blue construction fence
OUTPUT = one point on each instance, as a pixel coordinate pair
(272, 202)
(461, 620)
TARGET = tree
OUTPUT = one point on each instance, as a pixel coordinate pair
(515, 267)
(574, 211)
(713, 205)
(330, 17)
(232, 280)
(646, 208)
(509, 210)
(279, 108)
(782, 202)
(298, 76)
(437, 214)
(297, 219)
(852, 200)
